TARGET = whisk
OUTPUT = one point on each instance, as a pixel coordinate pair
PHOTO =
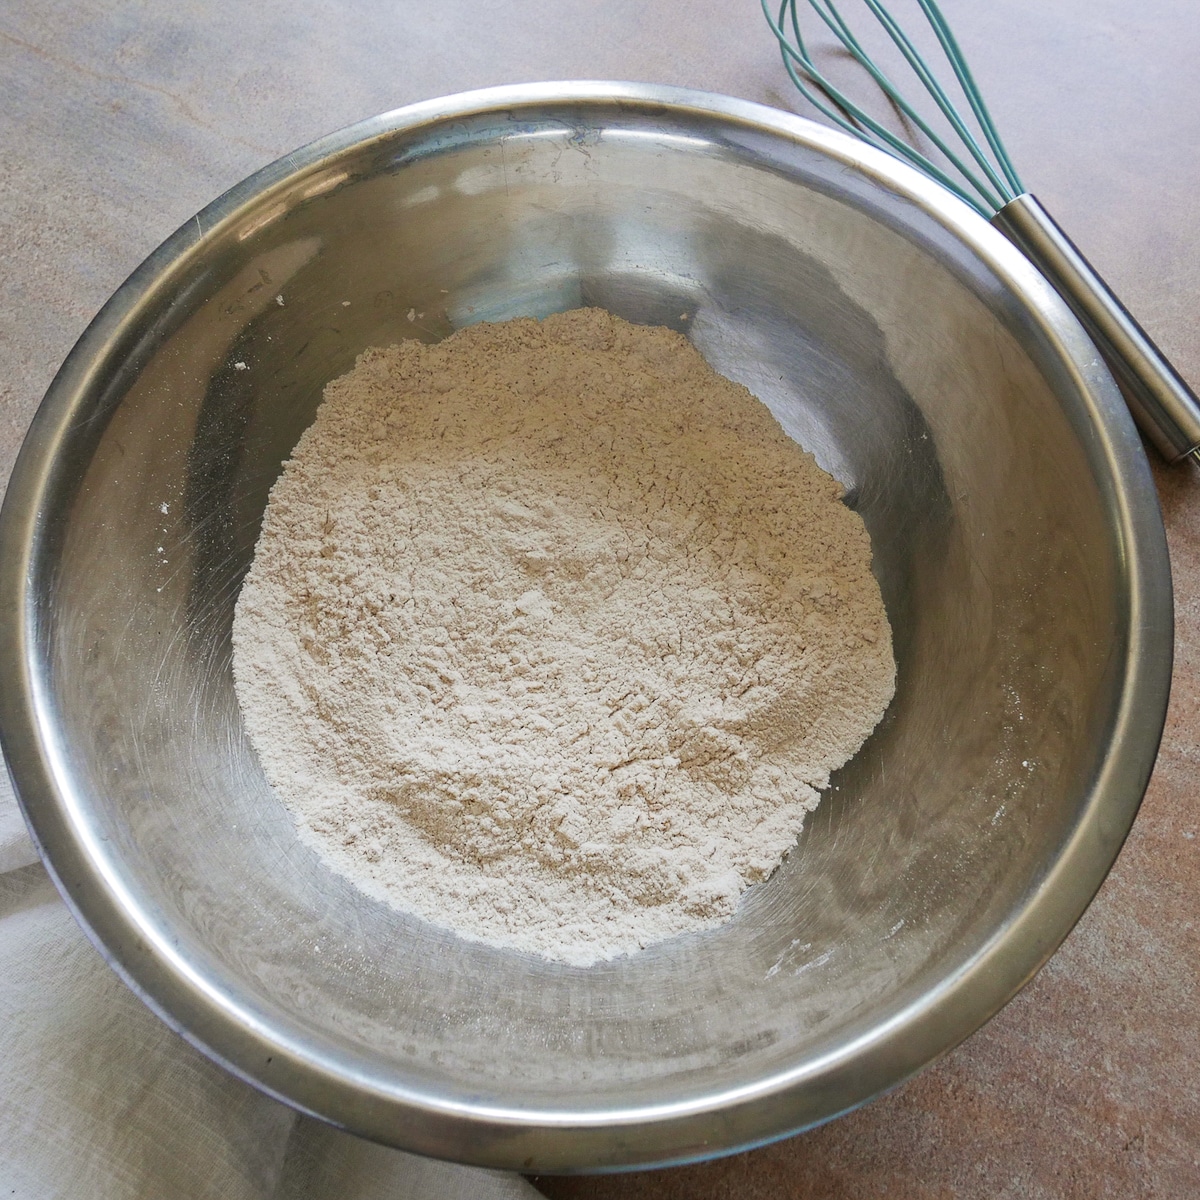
(980, 172)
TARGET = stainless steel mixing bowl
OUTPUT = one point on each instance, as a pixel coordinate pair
(1017, 542)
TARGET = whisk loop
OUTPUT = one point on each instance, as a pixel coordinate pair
(981, 173)
(987, 191)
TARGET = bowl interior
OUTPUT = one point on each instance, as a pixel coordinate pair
(880, 340)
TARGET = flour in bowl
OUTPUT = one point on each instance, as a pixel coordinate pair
(552, 635)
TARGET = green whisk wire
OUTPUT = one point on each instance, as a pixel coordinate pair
(852, 117)
(966, 81)
(987, 194)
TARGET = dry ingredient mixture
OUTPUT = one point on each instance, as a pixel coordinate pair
(552, 634)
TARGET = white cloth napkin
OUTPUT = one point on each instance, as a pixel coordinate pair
(100, 1100)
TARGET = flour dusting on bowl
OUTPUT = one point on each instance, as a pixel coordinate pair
(552, 635)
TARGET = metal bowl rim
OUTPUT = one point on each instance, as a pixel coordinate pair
(894, 1050)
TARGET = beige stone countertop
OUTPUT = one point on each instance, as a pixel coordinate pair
(121, 118)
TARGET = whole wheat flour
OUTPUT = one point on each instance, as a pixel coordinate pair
(552, 634)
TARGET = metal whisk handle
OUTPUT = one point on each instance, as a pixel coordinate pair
(1164, 407)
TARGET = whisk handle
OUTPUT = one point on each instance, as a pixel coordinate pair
(1164, 407)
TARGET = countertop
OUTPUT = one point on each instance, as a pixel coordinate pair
(122, 119)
